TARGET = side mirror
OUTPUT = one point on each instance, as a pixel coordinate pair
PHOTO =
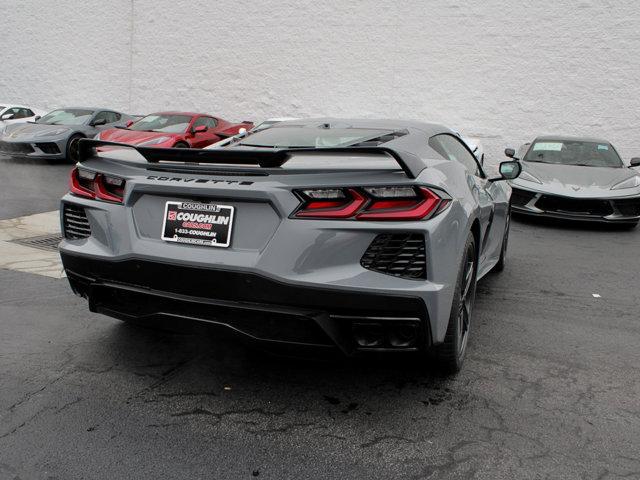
(97, 123)
(200, 129)
(510, 152)
(508, 171)
(36, 118)
(7, 116)
(635, 162)
(129, 123)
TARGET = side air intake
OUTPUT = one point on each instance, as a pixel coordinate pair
(75, 222)
(399, 254)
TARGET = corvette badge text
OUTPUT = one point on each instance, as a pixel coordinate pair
(197, 180)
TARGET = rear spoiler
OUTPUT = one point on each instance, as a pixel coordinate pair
(410, 163)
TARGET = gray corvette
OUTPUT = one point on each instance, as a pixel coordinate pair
(56, 135)
(577, 178)
(347, 235)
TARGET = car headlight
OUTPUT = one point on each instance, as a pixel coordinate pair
(628, 183)
(527, 177)
(52, 133)
(154, 141)
(97, 136)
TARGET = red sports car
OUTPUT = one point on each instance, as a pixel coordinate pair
(174, 129)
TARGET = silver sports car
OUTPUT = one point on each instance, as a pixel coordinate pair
(55, 136)
(576, 178)
(351, 235)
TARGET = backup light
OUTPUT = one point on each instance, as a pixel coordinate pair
(371, 203)
(325, 193)
(390, 192)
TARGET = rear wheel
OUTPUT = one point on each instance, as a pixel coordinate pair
(450, 355)
(73, 148)
(181, 145)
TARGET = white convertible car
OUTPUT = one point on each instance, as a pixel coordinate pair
(10, 114)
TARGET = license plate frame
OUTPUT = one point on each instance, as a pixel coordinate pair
(198, 223)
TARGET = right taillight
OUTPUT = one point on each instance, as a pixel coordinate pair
(371, 203)
(96, 185)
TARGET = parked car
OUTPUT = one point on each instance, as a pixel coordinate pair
(174, 129)
(243, 132)
(577, 178)
(11, 114)
(348, 235)
(56, 135)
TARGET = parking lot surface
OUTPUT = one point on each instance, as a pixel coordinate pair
(550, 388)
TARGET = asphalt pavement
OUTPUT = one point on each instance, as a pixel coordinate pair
(31, 186)
(550, 389)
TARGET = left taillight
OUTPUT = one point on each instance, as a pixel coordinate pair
(400, 203)
(97, 186)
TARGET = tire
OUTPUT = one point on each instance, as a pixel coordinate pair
(449, 356)
(73, 152)
(503, 249)
(181, 145)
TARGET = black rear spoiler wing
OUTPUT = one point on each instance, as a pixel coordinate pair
(411, 164)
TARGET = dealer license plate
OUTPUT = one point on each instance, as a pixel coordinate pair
(198, 223)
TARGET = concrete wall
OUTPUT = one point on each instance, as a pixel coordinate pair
(489, 68)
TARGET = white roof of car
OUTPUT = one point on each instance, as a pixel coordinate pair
(13, 105)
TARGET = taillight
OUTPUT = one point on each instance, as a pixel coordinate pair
(331, 203)
(109, 188)
(96, 185)
(81, 183)
(371, 203)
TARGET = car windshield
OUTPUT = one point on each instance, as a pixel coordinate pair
(162, 123)
(574, 152)
(292, 136)
(72, 116)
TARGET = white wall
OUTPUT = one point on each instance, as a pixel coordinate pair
(488, 68)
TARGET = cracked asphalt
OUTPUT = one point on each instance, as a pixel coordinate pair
(550, 389)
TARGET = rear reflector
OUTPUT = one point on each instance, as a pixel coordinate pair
(371, 203)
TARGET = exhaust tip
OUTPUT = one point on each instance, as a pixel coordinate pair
(368, 335)
(403, 336)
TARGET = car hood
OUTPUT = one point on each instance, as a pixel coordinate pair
(23, 131)
(132, 136)
(576, 181)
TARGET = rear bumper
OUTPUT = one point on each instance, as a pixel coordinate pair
(258, 308)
